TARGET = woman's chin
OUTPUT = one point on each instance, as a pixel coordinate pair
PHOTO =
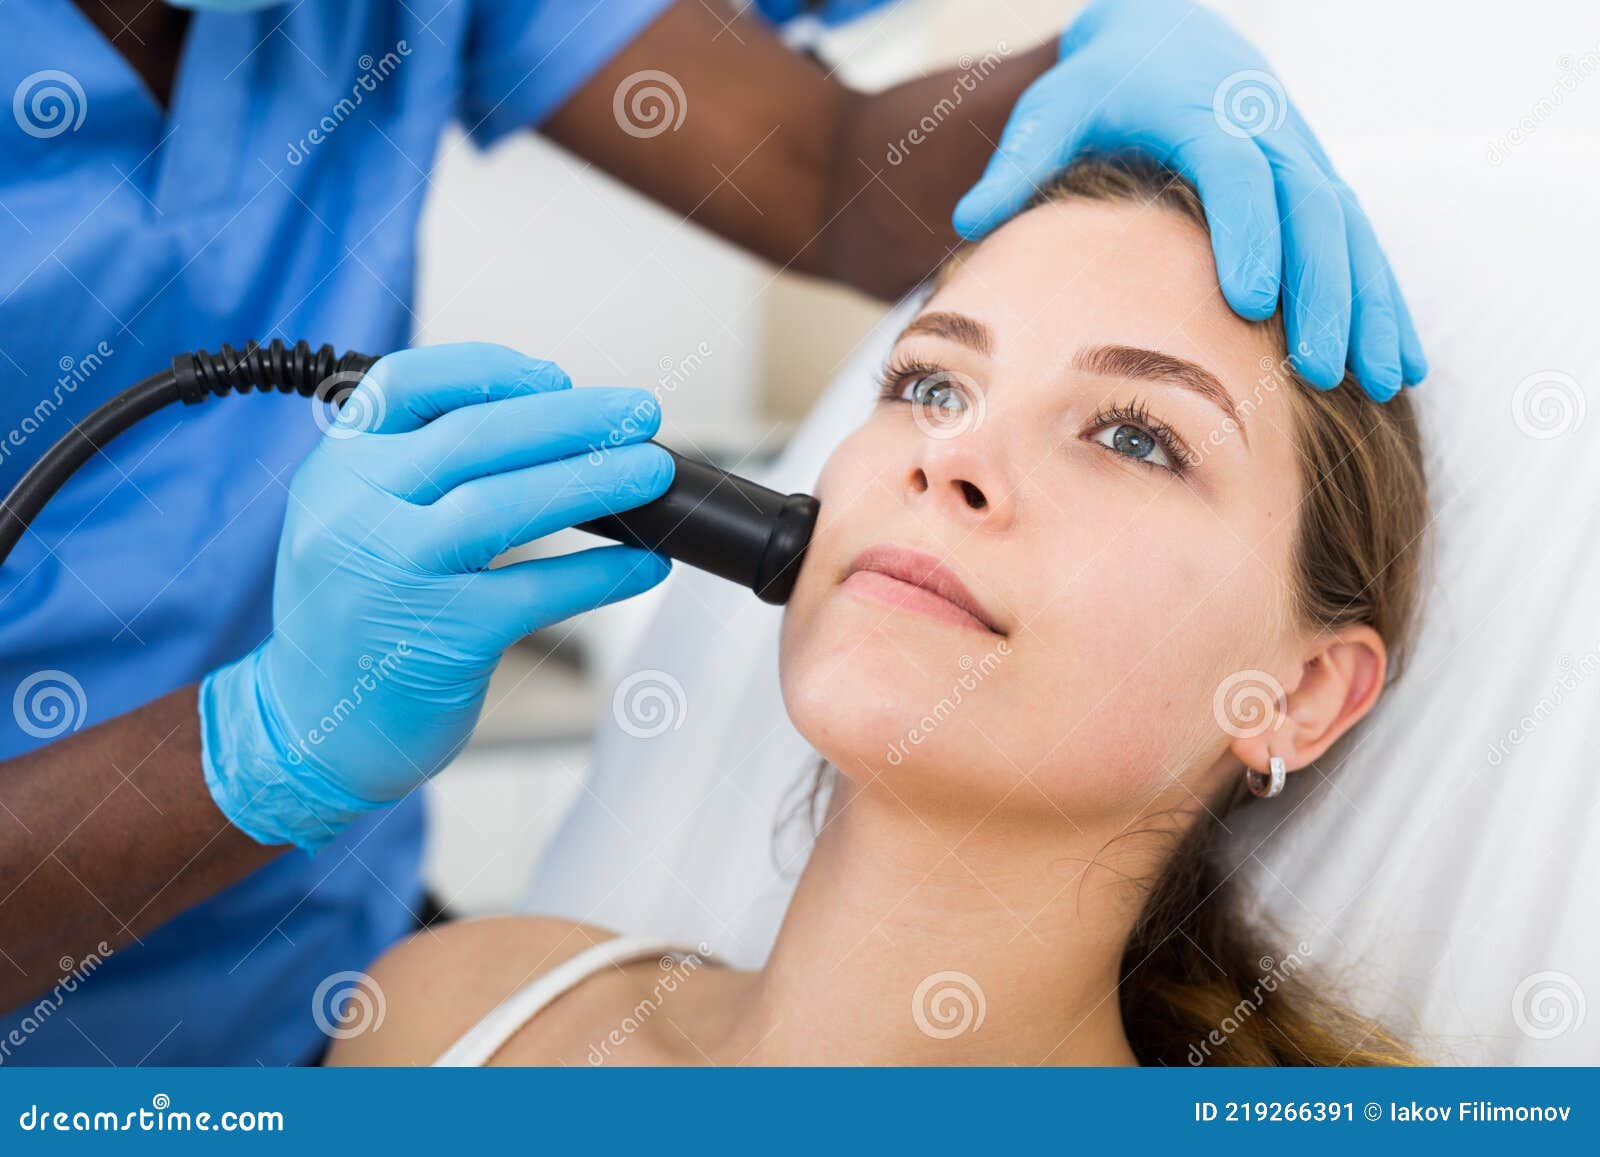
(871, 726)
(852, 721)
(895, 694)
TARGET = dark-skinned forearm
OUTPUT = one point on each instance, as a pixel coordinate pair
(766, 148)
(749, 131)
(104, 835)
(902, 159)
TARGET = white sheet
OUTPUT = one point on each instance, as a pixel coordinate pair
(1455, 886)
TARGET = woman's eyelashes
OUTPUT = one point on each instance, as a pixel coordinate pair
(1128, 431)
(1131, 431)
(928, 386)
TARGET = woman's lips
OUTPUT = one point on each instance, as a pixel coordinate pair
(914, 580)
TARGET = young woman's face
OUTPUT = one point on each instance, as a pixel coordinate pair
(1066, 524)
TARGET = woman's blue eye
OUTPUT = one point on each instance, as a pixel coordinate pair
(936, 392)
(1134, 442)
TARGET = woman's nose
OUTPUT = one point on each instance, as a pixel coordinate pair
(962, 481)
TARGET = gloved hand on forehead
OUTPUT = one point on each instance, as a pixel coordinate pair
(387, 621)
(1175, 81)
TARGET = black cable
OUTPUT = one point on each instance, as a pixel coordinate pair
(192, 379)
(81, 443)
(296, 369)
(708, 518)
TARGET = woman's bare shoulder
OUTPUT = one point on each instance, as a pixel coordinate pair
(440, 982)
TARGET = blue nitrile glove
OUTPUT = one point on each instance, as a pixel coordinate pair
(1175, 81)
(386, 619)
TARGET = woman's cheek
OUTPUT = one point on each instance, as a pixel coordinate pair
(1123, 663)
(1093, 740)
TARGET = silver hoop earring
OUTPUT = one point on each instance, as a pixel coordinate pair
(1269, 784)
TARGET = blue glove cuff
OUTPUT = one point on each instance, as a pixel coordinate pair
(259, 776)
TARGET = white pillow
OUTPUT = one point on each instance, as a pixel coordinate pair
(1449, 867)
(1448, 870)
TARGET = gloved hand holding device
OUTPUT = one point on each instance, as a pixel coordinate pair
(1174, 79)
(387, 621)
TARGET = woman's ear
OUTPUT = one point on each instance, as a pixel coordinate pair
(1340, 680)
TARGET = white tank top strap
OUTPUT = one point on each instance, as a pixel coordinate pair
(490, 1034)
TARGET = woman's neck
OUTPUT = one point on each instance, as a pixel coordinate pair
(930, 941)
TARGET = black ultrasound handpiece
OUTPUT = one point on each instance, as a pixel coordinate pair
(724, 524)
(708, 518)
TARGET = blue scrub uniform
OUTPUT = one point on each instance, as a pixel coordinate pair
(277, 197)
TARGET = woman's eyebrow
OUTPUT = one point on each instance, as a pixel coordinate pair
(1122, 361)
(956, 327)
